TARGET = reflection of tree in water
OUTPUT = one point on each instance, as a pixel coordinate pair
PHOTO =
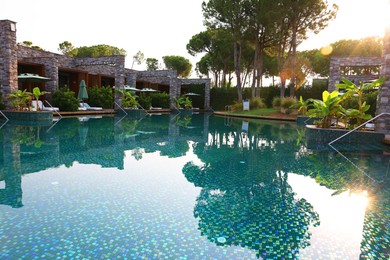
(246, 200)
(262, 215)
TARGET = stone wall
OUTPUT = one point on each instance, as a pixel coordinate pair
(8, 59)
(206, 82)
(383, 100)
(336, 63)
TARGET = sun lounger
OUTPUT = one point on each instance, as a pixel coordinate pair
(42, 106)
(88, 107)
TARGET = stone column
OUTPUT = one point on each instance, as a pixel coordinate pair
(119, 78)
(207, 95)
(9, 59)
(383, 101)
(173, 89)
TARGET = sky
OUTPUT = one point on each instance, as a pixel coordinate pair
(159, 28)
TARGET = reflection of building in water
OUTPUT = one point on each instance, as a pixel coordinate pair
(30, 149)
(11, 165)
(11, 195)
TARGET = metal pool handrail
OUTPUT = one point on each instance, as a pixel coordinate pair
(7, 119)
(53, 109)
(120, 107)
(356, 128)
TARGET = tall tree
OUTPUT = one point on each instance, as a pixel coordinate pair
(99, 50)
(229, 14)
(152, 64)
(305, 16)
(138, 58)
(262, 15)
(216, 43)
(67, 49)
(178, 63)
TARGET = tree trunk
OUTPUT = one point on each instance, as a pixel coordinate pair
(237, 68)
(294, 60)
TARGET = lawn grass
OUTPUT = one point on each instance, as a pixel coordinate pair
(257, 112)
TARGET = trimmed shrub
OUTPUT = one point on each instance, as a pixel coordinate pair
(160, 100)
(145, 100)
(257, 103)
(101, 97)
(276, 102)
(65, 100)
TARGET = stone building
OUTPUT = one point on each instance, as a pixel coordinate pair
(16, 59)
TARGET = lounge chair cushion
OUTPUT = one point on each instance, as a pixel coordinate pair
(88, 107)
(42, 107)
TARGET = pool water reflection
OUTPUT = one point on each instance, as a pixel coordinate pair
(198, 187)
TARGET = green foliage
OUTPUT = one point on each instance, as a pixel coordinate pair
(37, 93)
(352, 89)
(367, 47)
(2, 105)
(67, 49)
(178, 63)
(160, 100)
(276, 102)
(152, 64)
(301, 105)
(183, 102)
(287, 102)
(128, 100)
(315, 90)
(220, 97)
(65, 100)
(21, 100)
(145, 100)
(98, 51)
(257, 103)
(101, 96)
(327, 108)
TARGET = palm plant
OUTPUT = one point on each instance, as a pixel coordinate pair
(128, 100)
(21, 99)
(352, 89)
(37, 93)
(327, 108)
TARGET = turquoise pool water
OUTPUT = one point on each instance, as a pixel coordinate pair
(195, 187)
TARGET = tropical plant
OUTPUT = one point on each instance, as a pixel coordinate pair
(183, 102)
(128, 100)
(327, 108)
(352, 89)
(37, 93)
(301, 105)
(20, 99)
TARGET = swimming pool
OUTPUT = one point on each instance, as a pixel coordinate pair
(188, 187)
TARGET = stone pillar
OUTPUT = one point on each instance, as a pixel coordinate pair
(173, 89)
(334, 73)
(383, 101)
(207, 95)
(119, 78)
(9, 59)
